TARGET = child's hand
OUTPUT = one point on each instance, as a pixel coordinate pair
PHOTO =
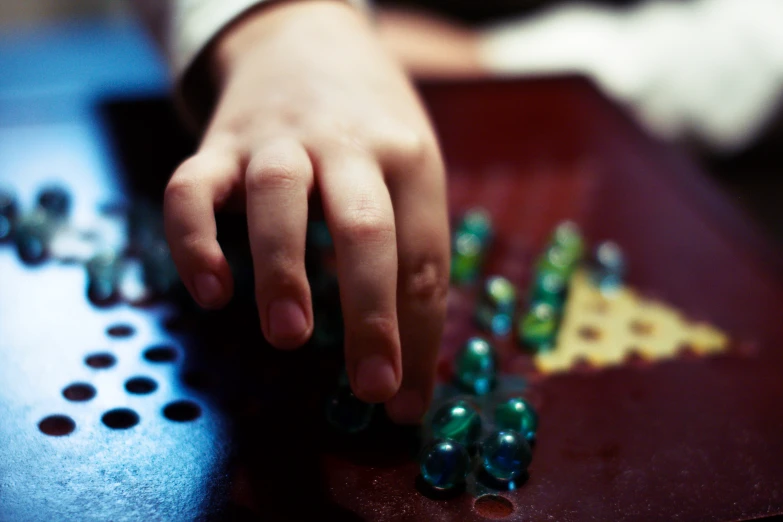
(310, 101)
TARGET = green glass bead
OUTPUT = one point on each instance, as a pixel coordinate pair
(466, 257)
(457, 421)
(538, 328)
(476, 366)
(517, 414)
(506, 455)
(444, 464)
(556, 260)
(568, 236)
(500, 294)
(495, 309)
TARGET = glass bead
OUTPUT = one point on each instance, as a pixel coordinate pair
(318, 235)
(517, 414)
(457, 421)
(445, 464)
(607, 269)
(478, 223)
(506, 455)
(538, 328)
(549, 287)
(556, 260)
(9, 211)
(103, 274)
(346, 413)
(496, 306)
(466, 258)
(55, 201)
(476, 366)
(160, 274)
(568, 236)
(32, 235)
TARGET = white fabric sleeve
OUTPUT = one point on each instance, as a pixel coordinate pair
(194, 23)
(710, 69)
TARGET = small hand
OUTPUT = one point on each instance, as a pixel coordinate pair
(309, 100)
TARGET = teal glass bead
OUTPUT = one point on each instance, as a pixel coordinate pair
(471, 239)
(445, 464)
(506, 455)
(496, 306)
(607, 269)
(103, 274)
(318, 235)
(160, 274)
(346, 413)
(476, 366)
(9, 211)
(549, 287)
(457, 421)
(55, 201)
(478, 223)
(517, 414)
(538, 328)
(32, 237)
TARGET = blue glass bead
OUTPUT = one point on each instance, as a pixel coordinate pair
(103, 274)
(607, 269)
(476, 367)
(496, 305)
(9, 211)
(445, 464)
(517, 414)
(347, 413)
(55, 201)
(457, 421)
(506, 455)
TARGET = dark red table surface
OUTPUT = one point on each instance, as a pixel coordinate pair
(685, 439)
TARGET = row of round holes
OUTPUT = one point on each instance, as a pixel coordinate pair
(120, 418)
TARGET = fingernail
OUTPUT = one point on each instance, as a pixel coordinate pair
(407, 407)
(208, 288)
(375, 379)
(286, 319)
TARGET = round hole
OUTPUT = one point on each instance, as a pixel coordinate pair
(120, 418)
(100, 361)
(161, 354)
(79, 391)
(640, 327)
(493, 506)
(140, 385)
(197, 380)
(57, 425)
(182, 411)
(589, 333)
(120, 330)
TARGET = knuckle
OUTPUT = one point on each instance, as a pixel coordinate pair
(271, 176)
(427, 283)
(365, 221)
(379, 325)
